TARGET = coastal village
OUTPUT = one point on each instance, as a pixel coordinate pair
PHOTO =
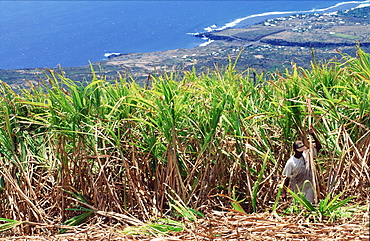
(267, 46)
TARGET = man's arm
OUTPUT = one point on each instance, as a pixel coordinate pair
(285, 186)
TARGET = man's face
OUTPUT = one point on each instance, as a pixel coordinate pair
(299, 146)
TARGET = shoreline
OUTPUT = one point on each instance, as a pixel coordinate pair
(238, 23)
(254, 19)
(248, 20)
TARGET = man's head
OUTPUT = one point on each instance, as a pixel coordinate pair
(299, 146)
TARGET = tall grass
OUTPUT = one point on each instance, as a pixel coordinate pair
(121, 147)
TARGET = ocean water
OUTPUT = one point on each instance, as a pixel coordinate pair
(37, 34)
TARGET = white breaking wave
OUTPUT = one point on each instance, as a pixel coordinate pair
(206, 43)
(364, 5)
(111, 54)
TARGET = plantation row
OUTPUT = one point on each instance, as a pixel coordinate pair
(119, 147)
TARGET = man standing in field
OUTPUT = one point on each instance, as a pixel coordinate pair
(298, 171)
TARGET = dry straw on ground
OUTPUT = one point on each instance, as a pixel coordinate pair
(230, 226)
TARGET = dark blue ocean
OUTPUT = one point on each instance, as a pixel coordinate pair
(72, 33)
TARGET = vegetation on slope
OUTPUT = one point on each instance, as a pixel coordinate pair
(71, 150)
